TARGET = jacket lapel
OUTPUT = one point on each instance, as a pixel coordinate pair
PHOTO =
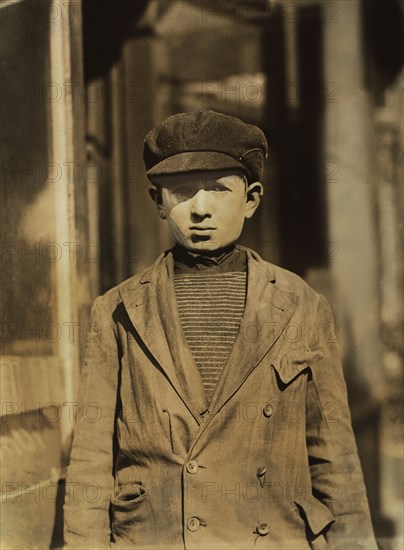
(152, 308)
(267, 311)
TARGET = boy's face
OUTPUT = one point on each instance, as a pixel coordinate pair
(205, 211)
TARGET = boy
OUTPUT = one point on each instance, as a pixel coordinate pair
(224, 417)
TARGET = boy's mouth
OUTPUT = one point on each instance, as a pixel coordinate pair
(201, 228)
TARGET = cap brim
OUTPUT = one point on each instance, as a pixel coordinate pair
(192, 161)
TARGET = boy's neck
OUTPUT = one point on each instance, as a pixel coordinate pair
(230, 258)
(215, 254)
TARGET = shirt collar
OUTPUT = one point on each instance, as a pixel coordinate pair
(230, 259)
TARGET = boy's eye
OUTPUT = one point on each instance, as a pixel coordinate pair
(218, 187)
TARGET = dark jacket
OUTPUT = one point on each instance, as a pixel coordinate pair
(272, 464)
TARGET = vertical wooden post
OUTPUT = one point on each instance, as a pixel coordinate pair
(62, 153)
(352, 233)
(351, 222)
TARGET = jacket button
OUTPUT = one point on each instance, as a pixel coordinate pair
(263, 528)
(192, 467)
(268, 410)
(193, 524)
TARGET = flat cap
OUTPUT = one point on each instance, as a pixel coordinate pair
(205, 140)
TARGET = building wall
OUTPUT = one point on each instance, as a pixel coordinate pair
(45, 291)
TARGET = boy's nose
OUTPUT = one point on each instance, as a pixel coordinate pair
(201, 204)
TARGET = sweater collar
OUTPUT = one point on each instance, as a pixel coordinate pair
(232, 258)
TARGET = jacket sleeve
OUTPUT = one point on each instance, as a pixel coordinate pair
(334, 463)
(90, 480)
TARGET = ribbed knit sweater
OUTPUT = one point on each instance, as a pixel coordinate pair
(211, 306)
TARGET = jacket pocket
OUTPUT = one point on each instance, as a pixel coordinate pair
(294, 361)
(316, 515)
(127, 496)
(128, 509)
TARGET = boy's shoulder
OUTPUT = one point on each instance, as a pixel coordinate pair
(113, 295)
(285, 280)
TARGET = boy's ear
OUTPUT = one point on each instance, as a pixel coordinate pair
(254, 193)
(156, 195)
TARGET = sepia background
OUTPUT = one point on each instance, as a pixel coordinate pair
(82, 83)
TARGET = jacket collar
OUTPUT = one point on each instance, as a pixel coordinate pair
(151, 305)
